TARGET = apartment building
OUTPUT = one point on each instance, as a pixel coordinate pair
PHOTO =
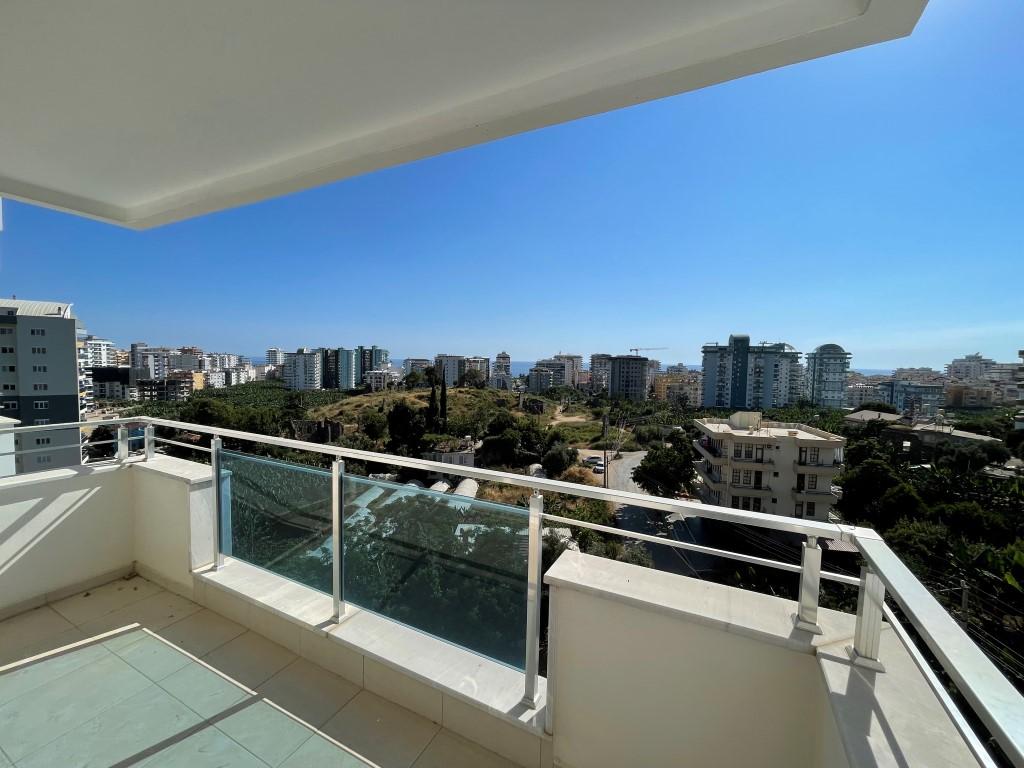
(574, 364)
(101, 352)
(481, 364)
(503, 364)
(600, 369)
(969, 367)
(274, 356)
(419, 364)
(857, 394)
(114, 383)
(338, 368)
(371, 358)
(825, 376)
(217, 379)
(628, 377)
(381, 378)
(176, 386)
(965, 395)
(674, 386)
(303, 369)
(742, 375)
(914, 397)
(540, 379)
(449, 368)
(767, 466)
(155, 360)
(41, 379)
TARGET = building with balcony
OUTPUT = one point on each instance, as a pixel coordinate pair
(101, 352)
(600, 370)
(303, 369)
(561, 370)
(480, 364)
(42, 377)
(915, 398)
(742, 375)
(539, 380)
(156, 361)
(825, 375)
(274, 356)
(115, 383)
(673, 386)
(503, 364)
(768, 466)
(450, 369)
(249, 611)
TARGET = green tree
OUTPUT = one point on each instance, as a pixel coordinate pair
(474, 378)
(444, 405)
(558, 458)
(876, 406)
(406, 427)
(664, 472)
(373, 424)
(433, 412)
(862, 486)
(413, 380)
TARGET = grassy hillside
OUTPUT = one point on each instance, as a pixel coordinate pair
(462, 402)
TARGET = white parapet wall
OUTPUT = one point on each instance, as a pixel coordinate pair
(685, 673)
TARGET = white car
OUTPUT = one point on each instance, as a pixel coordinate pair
(599, 469)
(592, 460)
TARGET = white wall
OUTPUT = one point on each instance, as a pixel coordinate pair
(663, 690)
(62, 527)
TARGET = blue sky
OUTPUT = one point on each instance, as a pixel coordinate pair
(874, 199)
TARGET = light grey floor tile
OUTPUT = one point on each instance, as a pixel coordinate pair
(250, 659)
(4, 762)
(449, 750)
(201, 632)
(153, 657)
(321, 753)
(30, 627)
(381, 731)
(118, 733)
(266, 732)
(154, 612)
(93, 603)
(116, 642)
(203, 691)
(308, 691)
(21, 681)
(209, 748)
(51, 710)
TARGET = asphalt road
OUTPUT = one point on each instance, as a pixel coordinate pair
(635, 518)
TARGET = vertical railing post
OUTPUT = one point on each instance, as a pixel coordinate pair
(337, 518)
(867, 636)
(149, 440)
(122, 443)
(810, 587)
(533, 587)
(218, 502)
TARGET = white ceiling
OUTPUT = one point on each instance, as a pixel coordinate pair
(142, 112)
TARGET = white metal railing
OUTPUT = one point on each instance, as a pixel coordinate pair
(991, 697)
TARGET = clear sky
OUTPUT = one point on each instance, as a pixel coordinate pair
(874, 199)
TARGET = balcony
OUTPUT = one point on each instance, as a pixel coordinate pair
(830, 469)
(289, 612)
(822, 495)
(710, 452)
(710, 478)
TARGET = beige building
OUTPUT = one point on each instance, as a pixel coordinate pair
(768, 466)
(669, 386)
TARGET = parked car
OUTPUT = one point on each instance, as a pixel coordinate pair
(592, 460)
(599, 469)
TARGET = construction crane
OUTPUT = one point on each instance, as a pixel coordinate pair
(638, 350)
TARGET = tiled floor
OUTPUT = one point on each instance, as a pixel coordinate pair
(191, 688)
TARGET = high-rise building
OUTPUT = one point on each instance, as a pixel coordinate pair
(970, 367)
(449, 368)
(574, 364)
(419, 364)
(481, 364)
(916, 398)
(40, 379)
(745, 376)
(600, 368)
(154, 360)
(825, 377)
(303, 369)
(503, 364)
(540, 379)
(561, 370)
(628, 377)
(275, 356)
(673, 386)
(101, 352)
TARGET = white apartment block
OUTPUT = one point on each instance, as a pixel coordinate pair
(751, 376)
(381, 378)
(574, 364)
(411, 364)
(102, 353)
(825, 377)
(303, 369)
(217, 379)
(275, 356)
(449, 368)
(969, 367)
(600, 368)
(857, 394)
(481, 364)
(768, 466)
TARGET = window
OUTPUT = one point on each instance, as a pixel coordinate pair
(44, 459)
(9, 387)
(42, 441)
(747, 476)
(735, 502)
(41, 422)
(9, 405)
(810, 509)
(38, 350)
(37, 332)
(7, 350)
(748, 451)
(746, 503)
(799, 509)
(41, 405)
(7, 368)
(40, 387)
(735, 477)
(737, 451)
(812, 455)
(812, 482)
(38, 369)
(756, 506)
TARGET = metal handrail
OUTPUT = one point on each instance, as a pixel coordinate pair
(990, 695)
